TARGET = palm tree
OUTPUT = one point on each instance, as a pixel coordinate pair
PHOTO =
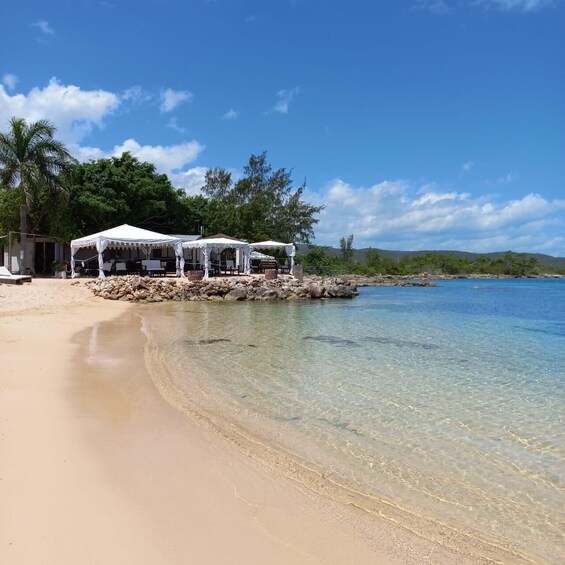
(31, 161)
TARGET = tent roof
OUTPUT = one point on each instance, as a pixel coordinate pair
(126, 235)
(217, 242)
(218, 235)
(187, 237)
(267, 244)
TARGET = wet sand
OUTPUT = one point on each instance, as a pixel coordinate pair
(97, 467)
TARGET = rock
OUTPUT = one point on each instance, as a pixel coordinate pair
(236, 294)
(315, 290)
(145, 289)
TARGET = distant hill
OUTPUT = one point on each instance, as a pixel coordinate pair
(360, 254)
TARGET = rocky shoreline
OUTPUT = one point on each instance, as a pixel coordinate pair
(134, 288)
(388, 280)
(426, 279)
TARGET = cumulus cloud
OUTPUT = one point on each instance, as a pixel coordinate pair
(74, 111)
(284, 98)
(398, 215)
(10, 81)
(171, 99)
(167, 159)
(77, 112)
(44, 27)
(191, 180)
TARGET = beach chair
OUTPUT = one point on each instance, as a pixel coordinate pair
(268, 264)
(231, 267)
(121, 269)
(8, 278)
(153, 267)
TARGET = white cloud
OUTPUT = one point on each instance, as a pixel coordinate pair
(431, 198)
(44, 27)
(505, 179)
(231, 114)
(10, 81)
(167, 159)
(395, 215)
(191, 180)
(85, 153)
(448, 7)
(74, 111)
(515, 5)
(171, 99)
(174, 125)
(468, 166)
(284, 98)
(434, 6)
(135, 95)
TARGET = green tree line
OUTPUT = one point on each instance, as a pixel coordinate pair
(44, 190)
(323, 260)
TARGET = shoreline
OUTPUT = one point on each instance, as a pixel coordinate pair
(97, 466)
(245, 430)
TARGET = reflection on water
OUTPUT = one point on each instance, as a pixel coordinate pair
(447, 402)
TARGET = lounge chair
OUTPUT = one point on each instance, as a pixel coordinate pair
(153, 267)
(121, 269)
(268, 264)
(7, 278)
(231, 268)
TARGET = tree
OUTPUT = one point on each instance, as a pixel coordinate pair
(346, 246)
(373, 259)
(109, 192)
(31, 161)
(317, 260)
(261, 205)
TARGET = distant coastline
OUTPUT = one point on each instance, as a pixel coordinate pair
(427, 279)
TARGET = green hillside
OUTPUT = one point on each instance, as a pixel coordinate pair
(374, 260)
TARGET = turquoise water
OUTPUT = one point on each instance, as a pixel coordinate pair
(445, 404)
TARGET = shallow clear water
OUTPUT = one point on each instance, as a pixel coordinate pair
(447, 402)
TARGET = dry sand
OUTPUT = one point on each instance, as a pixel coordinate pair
(96, 467)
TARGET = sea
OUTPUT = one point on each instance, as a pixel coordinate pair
(441, 409)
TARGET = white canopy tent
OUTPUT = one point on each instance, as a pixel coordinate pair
(288, 247)
(218, 244)
(125, 237)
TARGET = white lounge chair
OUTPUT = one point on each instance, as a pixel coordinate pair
(7, 278)
(153, 267)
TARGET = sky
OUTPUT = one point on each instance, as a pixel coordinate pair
(418, 124)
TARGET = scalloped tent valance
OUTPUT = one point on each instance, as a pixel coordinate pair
(209, 244)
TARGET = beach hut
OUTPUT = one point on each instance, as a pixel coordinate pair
(289, 248)
(126, 237)
(218, 244)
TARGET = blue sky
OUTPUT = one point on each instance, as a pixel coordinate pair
(420, 124)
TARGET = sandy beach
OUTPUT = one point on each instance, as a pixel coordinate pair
(96, 467)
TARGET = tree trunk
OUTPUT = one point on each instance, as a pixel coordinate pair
(23, 239)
